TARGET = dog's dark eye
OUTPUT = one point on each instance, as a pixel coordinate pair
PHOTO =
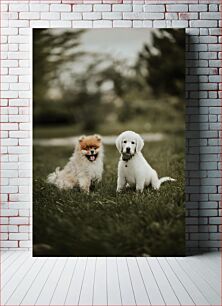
(133, 142)
(125, 141)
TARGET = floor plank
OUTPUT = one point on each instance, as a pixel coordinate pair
(126, 289)
(13, 270)
(47, 291)
(113, 285)
(10, 261)
(188, 283)
(61, 290)
(5, 255)
(86, 294)
(153, 290)
(20, 291)
(208, 292)
(212, 278)
(38, 283)
(164, 285)
(16, 279)
(100, 283)
(73, 293)
(137, 281)
(178, 287)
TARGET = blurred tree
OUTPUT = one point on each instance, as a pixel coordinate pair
(53, 55)
(162, 65)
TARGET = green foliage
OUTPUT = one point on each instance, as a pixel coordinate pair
(162, 65)
(70, 223)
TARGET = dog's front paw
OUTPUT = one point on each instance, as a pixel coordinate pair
(85, 190)
(119, 190)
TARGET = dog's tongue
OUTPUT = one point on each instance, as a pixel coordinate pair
(92, 157)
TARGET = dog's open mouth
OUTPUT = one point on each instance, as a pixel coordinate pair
(92, 157)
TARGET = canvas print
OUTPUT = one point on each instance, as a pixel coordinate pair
(108, 142)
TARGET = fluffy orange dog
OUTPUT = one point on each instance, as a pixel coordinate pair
(84, 167)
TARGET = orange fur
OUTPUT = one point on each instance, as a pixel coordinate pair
(90, 142)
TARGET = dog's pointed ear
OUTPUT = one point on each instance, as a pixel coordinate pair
(139, 143)
(81, 138)
(98, 137)
(119, 143)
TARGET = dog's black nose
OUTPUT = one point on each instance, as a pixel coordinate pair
(92, 151)
(127, 150)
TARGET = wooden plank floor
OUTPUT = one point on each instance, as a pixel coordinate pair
(70, 281)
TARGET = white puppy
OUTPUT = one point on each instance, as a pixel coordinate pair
(133, 169)
(84, 167)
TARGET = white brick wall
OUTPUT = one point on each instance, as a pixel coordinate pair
(201, 18)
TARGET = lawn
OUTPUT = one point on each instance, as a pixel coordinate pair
(70, 223)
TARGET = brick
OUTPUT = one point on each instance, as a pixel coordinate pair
(138, 24)
(112, 15)
(25, 244)
(177, 8)
(29, 15)
(214, 47)
(180, 23)
(154, 8)
(102, 7)
(39, 24)
(215, 220)
(134, 15)
(210, 15)
(52, 16)
(197, 7)
(9, 173)
(19, 118)
(19, 134)
(9, 63)
(215, 63)
(60, 8)
(82, 8)
(18, 236)
(171, 16)
(82, 24)
(122, 23)
(18, 23)
(147, 24)
(203, 23)
(39, 7)
(24, 229)
(18, 7)
(3, 220)
(121, 7)
(137, 8)
(9, 126)
(102, 24)
(92, 15)
(71, 16)
(9, 244)
(60, 24)
(9, 212)
(213, 7)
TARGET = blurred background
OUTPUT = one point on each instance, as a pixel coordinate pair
(107, 81)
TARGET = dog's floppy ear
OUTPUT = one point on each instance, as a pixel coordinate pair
(139, 143)
(98, 137)
(81, 138)
(119, 143)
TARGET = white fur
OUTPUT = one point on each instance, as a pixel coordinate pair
(78, 172)
(136, 171)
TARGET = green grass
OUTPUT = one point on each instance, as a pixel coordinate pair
(70, 223)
